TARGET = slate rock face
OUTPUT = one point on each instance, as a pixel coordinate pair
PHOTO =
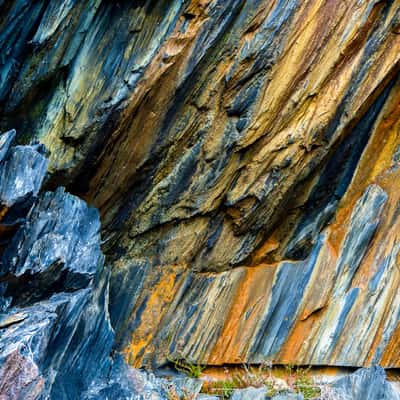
(55, 332)
(59, 345)
(23, 169)
(244, 157)
(365, 384)
(57, 245)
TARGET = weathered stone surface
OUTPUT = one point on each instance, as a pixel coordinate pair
(249, 394)
(207, 397)
(22, 172)
(45, 353)
(125, 383)
(56, 347)
(288, 396)
(58, 245)
(55, 332)
(23, 169)
(365, 384)
(338, 306)
(6, 140)
(244, 156)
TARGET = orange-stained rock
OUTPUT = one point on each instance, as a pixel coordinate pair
(245, 158)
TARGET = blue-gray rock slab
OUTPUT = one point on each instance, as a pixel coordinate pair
(25, 344)
(250, 393)
(365, 384)
(58, 245)
(6, 140)
(22, 172)
(126, 383)
(288, 396)
(56, 348)
(188, 387)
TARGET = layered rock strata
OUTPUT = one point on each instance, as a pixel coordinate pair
(338, 306)
(244, 156)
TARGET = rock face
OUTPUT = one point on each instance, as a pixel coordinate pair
(365, 384)
(55, 333)
(245, 159)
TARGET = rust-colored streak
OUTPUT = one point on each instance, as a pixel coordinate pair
(392, 351)
(161, 295)
(244, 315)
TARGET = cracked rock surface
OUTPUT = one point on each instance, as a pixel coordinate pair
(240, 160)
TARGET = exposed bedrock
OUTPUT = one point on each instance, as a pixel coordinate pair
(245, 159)
(55, 333)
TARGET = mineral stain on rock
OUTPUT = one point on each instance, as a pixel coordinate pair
(213, 181)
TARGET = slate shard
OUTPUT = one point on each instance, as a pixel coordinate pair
(55, 331)
(57, 248)
(126, 383)
(22, 172)
(6, 140)
(365, 384)
(56, 348)
(23, 169)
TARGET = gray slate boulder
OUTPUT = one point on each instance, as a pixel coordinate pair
(365, 384)
(250, 393)
(288, 396)
(126, 383)
(22, 171)
(55, 332)
(55, 348)
(56, 249)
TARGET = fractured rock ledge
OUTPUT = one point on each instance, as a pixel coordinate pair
(55, 333)
(244, 159)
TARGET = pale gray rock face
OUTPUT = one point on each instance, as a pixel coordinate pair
(365, 384)
(288, 396)
(250, 394)
(22, 171)
(126, 383)
(207, 397)
(6, 140)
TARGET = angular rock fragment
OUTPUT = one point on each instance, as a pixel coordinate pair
(250, 393)
(22, 171)
(55, 332)
(125, 383)
(56, 249)
(57, 346)
(60, 346)
(365, 384)
(288, 396)
(6, 140)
